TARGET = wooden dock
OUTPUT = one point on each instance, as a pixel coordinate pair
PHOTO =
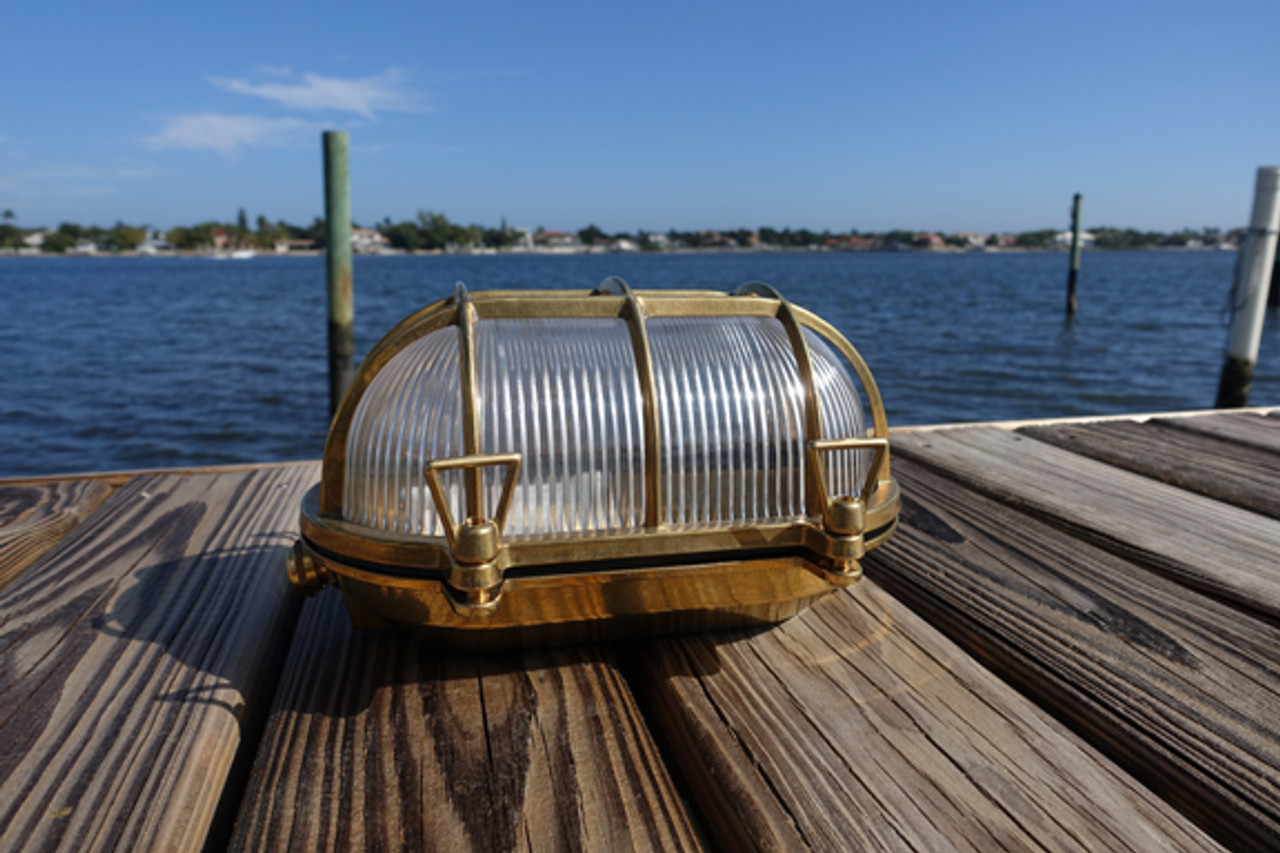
(1072, 643)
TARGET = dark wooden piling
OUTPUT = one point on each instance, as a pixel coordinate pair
(1074, 273)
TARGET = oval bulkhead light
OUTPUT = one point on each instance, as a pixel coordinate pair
(516, 467)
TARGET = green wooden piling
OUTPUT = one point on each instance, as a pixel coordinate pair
(1072, 274)
(337, 216)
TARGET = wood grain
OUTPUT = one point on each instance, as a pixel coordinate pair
(383, 741)
(33, 517)
(1238, 474)
(857, 726)
(131, 654)
(1207, 545)
(1248, 428)
(1180, 689)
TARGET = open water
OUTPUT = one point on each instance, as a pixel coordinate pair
(111, 363)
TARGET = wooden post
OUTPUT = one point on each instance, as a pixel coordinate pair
(337, 216)
(1249, 294)
(1074, 272)
(1273, 292)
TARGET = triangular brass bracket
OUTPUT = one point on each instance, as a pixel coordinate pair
(475, 575)
(844, 517)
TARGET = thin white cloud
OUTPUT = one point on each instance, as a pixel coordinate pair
(365, 96)
(227, 134)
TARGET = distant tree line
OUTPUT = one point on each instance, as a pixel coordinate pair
(118, 238)
(123, 238)
(238, 234)
(432, 230)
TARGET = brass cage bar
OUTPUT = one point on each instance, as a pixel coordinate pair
(814, 487)
(634, 314)
(469, 388)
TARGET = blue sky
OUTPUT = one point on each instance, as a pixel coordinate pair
(638, 115)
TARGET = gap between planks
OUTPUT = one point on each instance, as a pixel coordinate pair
(856, 725)
(1243, 475)
(1203, 543)
(1177, 687)
(383, 740)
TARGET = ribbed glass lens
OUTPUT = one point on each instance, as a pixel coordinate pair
(410, 414)
(842, 417)
(731, 407)
(566, 395)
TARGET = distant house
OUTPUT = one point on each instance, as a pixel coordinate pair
(154, 245)
(557, 242)
(930, 241)
(219, 236)
(34, 240)
(83, 247)
(853, 243)
(624, 244)
(1063, 238)
(970, 238)
(367, 241)
(300, 244)
(659, 241)
(716, 240)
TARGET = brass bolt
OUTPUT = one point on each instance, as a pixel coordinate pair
(844, 572)
(846, 516)
(474, 602)
(305, 572)
(477, 542)
(475, 579)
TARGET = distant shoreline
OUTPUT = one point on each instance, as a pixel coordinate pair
(754, 250)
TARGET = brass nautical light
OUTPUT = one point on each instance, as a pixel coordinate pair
(521, 466)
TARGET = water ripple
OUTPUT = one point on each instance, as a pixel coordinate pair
(122, 363)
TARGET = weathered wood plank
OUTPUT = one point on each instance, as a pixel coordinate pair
(131, 654)
(1248, 428)
(1224, 470)
(1220, 549)
(34, 517)
(1180, 689)
(857, 726)
(383, 741)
